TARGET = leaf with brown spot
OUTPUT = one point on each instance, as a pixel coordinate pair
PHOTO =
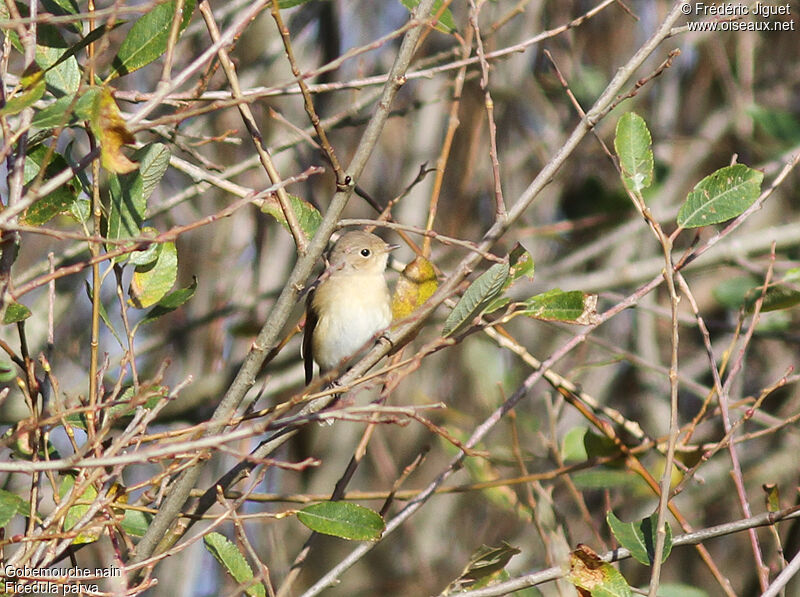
(111, 132)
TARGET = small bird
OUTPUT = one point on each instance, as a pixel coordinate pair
(350, 304)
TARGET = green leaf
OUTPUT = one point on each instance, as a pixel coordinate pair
(781, 125)
(780, 295)
(605, 477)
(130, 192)
(55, 114)
(10, 505)
(103, 313)
(640, 537)
(227, 554)
(485, 566)
(75, 513)
(445, 24)
(521, 264)
(572, 446)
(291, 3)
(33, 86)
(632, 144)
(169, 303)
(59, 201)
(63, 8)
(7, 370)
(153, 281)
(572, 306)
(16, 312)
(731, 292)
(476, 298)
(307, 215)
(135, 522)
(587, 571)
(343, 519)
(148, 38)
(62, 75)
(721, 196)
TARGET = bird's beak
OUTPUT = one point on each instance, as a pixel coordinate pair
(390, 248)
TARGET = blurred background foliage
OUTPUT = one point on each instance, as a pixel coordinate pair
(725, 95)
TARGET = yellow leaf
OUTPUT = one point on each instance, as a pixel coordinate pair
(415, 286)
(111, 132)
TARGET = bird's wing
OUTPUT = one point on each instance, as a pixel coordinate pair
(308, 331)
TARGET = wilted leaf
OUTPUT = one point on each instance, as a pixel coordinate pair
(632, 144)
(476, 298)
(587, 571)
(572, 306)
(640, 537)
(153, 281)
(111, 132)
(307, 215)
(343, 519)
(445, 24)
(147, 40)
(720, 196)
(414, 286)
(227, 554)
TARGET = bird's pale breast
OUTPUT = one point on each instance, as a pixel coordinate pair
(357, 307)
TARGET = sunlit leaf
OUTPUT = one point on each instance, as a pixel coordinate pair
(170, 302)
(129, 192)
(587, 571)
(58, 201)
(415, 285)
(476, 298)
(632, 144)
(89, 533)
(640, 537)
(148, 38)
(111, 132)
(153, 281)
(556, 305)
(307, 215)
(445, 24)
(721, 196)
(343, 519)
(32, 89)
(521, 264)
(227, 554)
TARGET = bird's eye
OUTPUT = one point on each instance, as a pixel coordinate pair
(365, 252)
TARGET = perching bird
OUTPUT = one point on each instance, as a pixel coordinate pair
(350, 303)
